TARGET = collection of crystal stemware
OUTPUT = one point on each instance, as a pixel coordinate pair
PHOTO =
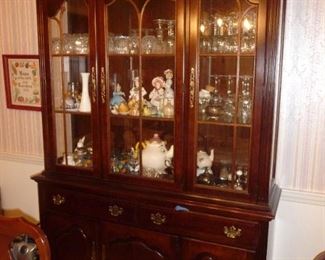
(160, 40)
(224, 176)
(219, 33)
(214, 106)
(71, 44)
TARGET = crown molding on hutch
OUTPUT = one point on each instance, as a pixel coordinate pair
(22, 158)
(303, 197)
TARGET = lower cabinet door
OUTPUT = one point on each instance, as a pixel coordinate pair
(201, 250)
(70, 237)
(128, 243)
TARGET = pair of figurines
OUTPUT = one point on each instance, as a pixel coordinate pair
(118, 103)
(162, 95)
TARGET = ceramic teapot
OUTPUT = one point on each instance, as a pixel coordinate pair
(204, 162)
(155, 154)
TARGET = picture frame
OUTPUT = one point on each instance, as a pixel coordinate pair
(22, 81)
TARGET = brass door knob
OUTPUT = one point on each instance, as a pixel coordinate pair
(232, 232)
(115, 210)
(58, 199)
(158, 218)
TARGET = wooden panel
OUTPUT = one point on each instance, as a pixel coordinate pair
(200, 250)
(70, 237)
(121, 242)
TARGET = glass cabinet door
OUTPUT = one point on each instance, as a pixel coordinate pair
(73, 84)
(223, 86)
(141, 74)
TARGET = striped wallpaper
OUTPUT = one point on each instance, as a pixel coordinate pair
(301, 146)
(301, 152)
(20, 130)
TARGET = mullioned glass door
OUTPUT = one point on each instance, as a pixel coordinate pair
(143, 96)
(221, 93)
(73, 84)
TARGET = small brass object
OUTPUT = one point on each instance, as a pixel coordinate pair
(232, 232)
(158, 218)
(93, 82)
(115, 210)
(103, 85)
(58, 199)
(192, 87)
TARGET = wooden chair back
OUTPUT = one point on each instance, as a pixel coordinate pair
(11, 228)
(320, 256)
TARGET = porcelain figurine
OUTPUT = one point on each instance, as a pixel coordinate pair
(204, 162)
(135, 90)
(169, 92)
(134, 97)
(157, 94)
(80, 151)
(155, 155)
(117, 99)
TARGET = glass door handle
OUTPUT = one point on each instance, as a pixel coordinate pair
(102, 85)
(93, 82)
(192, 87)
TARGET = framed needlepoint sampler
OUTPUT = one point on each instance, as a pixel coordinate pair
(22, 81)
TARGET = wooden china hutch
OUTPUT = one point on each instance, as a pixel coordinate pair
(159, 121)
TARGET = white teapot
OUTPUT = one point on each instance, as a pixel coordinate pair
(204, 162)
(155, 154)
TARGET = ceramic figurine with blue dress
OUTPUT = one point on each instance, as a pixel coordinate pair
(117, 99)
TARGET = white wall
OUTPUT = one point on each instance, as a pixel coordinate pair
(18, 191)
(298, 231)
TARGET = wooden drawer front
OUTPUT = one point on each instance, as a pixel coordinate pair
(65, 201)
(117, 211)
(202, 250)
(228, 231)
(93, 206)
(160, 219)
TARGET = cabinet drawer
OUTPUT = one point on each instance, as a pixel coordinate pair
(229, 231)
(75, 202)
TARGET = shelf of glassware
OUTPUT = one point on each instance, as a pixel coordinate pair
(149, 117)
(222, 54)
(62, 55)
(144, 55)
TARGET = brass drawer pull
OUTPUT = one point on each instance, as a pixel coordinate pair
(232, 232)
(115, 210)
(158, 218)
(58, 199)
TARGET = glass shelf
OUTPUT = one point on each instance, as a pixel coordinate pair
(212, 122)
(68, 111)
(242, 54)
(70, 55)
